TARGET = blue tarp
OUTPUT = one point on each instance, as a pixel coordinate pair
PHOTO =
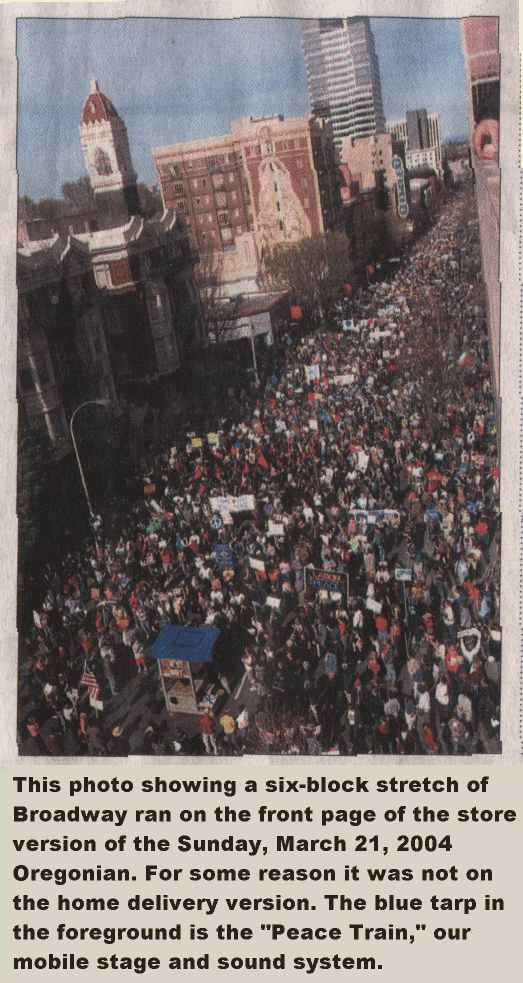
(189, 644)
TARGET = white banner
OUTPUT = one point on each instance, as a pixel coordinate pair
(230, 503)
(312, 372)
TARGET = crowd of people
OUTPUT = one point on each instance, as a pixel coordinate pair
(339, 526)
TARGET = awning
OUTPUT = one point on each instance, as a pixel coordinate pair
(185, 643)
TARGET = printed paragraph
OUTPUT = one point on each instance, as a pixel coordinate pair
(281, 872)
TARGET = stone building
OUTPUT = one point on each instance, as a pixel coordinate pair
(110, 313)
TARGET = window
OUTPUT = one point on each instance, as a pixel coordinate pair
(178, 189)
(281, 225)
(239, 230)
(173, 170)
(236, 213)
(223, 218)
(209, 218)
(234, 195)
(194, 183)
(231, 177)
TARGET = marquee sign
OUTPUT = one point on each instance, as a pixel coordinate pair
(403, 205)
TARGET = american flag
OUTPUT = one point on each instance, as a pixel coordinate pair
(89, 679)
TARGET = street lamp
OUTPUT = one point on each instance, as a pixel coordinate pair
(88, 402)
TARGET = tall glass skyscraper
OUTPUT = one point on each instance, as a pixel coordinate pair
(344, 76)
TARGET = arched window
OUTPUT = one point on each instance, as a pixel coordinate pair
(102, 162)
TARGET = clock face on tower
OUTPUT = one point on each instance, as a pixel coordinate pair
(102, 162)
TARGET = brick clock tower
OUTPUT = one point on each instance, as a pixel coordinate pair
(105, 145)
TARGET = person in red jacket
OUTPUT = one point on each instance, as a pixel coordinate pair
(207, 729)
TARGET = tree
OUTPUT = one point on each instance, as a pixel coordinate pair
(218, 313)
(313, 271)
(26, 208)
(150, 200)
(78, 195)
(50, 209)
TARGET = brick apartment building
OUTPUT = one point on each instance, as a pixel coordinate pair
(270, 180)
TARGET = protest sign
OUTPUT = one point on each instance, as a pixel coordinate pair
(213, 439)
(232, 503)
(220, 503)
(312, 372)
(328, 580)
(363, 460)
(224, 555)
(244, 503)
(403, 575)
(258, 565)
(372, 516)
(276, 529)
(273, 602)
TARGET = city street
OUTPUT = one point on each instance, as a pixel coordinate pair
(343, 536)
